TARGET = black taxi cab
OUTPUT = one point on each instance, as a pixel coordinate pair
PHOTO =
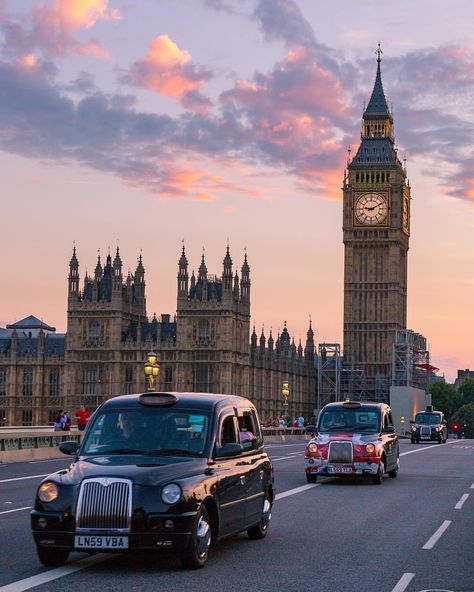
(163, 471)
(353, 438)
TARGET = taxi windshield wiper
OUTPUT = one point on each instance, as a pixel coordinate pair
(172, 451)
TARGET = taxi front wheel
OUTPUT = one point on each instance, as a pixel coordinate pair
(377, 479)
(311, 477)
(197, 553)
(52, 557)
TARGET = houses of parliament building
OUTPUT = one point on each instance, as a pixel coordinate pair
(205, 347)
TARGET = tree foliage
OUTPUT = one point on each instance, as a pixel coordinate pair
(464, 417)
(445, 398)
(466, 390)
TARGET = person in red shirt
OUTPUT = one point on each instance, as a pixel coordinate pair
(82, 417)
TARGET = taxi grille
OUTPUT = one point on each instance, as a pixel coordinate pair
(425, 431)
(104, 504)
(340, 452)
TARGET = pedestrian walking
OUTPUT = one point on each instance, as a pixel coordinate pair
(57, 423)
(65, 422)
(82, 417)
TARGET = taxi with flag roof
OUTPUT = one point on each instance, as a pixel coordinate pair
(353, 438)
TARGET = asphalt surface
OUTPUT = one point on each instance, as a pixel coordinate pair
(414, 533)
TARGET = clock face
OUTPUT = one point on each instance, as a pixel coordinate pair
(406, 213)
(371, 208)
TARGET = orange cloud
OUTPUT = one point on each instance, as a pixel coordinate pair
(55, 26)
(197, 184)
(166, 70)
(27, 61)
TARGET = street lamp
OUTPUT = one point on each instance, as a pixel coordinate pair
(285, 392)
(151, 369)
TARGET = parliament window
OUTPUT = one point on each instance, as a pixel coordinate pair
(3, 382)
(91, 381)
(27, 383)
(27, 417)
(202, 378)
(54, 382)
(3, 418)
(128, 380)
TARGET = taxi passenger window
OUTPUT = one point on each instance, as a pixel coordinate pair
(248, 431)
(227, 435)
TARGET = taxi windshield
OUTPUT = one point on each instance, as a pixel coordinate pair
(151, 430)
(428, 418)
(364, 420)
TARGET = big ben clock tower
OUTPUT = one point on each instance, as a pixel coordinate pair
(376, 230)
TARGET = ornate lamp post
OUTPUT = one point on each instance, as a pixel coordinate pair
(285, 392)
(151, 369)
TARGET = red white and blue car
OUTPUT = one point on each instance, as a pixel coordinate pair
(353, 438)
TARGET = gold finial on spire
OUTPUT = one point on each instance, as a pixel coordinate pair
(379, 53)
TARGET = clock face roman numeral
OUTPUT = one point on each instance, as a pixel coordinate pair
(371, 208)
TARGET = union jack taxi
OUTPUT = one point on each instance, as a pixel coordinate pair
(353, 438)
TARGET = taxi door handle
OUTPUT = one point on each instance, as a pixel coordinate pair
(243, 478)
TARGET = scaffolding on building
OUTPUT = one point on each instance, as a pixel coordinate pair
(411, 360)
(353, 383)
(329, 373)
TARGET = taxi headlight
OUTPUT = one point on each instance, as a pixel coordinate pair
(171, 493)
(370, 448)
(438, 429)
(48, 492)
(312, 448)
(413, 428)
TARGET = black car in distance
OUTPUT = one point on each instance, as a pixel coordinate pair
(162, 471)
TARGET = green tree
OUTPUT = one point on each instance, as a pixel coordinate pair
(445, 398)
(464, 417)
(466, 390)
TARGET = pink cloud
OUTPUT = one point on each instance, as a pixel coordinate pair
(195, 184)
(167, 70)
(52, 28)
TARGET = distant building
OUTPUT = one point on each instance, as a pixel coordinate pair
(462, 375)
(205, 347)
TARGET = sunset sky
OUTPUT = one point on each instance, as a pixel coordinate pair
(149, 122)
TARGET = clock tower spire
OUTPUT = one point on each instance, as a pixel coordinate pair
(376, 228)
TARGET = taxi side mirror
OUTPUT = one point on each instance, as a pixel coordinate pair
(412, 421)
(311, 429)
(69, 447)
(389, 429)
(230, 449)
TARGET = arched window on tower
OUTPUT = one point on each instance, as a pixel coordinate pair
(94, 331)
(204, 331)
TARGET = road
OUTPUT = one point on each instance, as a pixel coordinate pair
(414, 534)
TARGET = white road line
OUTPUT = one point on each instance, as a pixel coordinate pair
(35, 462)
(460, 503)
(433, 447)
(53, 574)
(472, 486)
(21, 479)
(289, 492)
(431, 542)
(285, 445)
(17, 510)
(403, 582)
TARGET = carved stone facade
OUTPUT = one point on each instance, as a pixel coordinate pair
(204, 348)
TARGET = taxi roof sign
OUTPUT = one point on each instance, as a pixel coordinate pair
(153, 398)
(351, 404)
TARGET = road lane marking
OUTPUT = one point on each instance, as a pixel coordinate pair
(17, 510)
(292, 492)
(54, 574)
(472, 486)
(460, 503)
(403, 582)
(35, 462)
(21, 478)
(431, 542)
(426, 448)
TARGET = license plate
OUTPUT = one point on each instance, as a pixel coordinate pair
(340, 469)
(84, 541)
